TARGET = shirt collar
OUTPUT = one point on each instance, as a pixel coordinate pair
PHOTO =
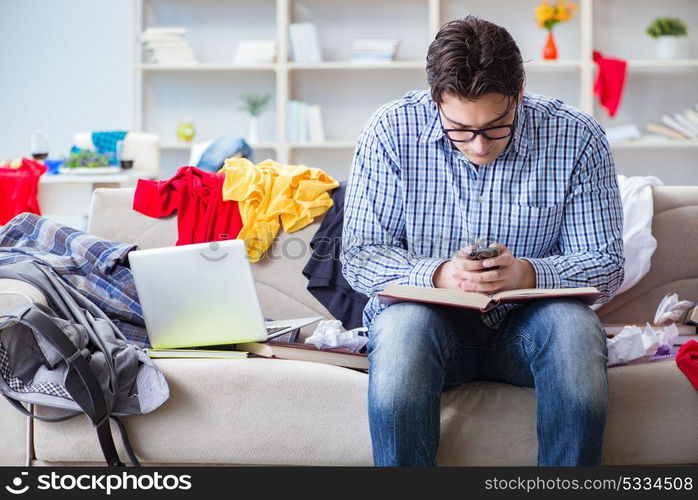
(432, 130)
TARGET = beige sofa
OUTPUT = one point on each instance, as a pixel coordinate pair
(259, 411)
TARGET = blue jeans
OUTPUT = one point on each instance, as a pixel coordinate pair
(557, 346)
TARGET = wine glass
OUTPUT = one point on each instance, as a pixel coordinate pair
(38, 145)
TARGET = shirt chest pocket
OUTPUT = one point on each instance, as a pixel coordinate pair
(531, 231)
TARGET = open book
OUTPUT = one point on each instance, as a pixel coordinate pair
(479, 301)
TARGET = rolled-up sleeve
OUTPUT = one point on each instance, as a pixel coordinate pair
(590, 248)
(374, 250)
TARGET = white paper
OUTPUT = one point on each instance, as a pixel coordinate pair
(670, 309)
(328, 335)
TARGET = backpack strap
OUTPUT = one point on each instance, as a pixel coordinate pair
(22, 409)
(41, 323)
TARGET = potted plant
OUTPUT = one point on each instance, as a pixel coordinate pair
(666, 31)
(254, 105)
(86, 159)
(547, 16)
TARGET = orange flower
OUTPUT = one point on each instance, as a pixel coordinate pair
(548, 15)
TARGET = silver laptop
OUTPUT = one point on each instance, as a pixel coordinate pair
(202, 295)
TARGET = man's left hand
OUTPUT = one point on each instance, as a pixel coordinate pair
(512, 274)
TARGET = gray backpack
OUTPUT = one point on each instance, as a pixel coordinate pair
(82, 367)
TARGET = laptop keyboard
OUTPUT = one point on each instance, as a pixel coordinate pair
(274, 329)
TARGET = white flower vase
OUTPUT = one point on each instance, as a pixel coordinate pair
(667, 47)
(253, 135)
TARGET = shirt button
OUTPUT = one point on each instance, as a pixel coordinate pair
(480, 199)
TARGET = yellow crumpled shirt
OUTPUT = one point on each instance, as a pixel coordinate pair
(271, 195)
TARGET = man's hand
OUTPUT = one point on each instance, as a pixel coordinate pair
(466, 275)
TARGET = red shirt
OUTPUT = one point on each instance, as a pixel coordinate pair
(18, 188)
(202, 215)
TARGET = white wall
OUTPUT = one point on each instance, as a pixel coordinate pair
(65, 66)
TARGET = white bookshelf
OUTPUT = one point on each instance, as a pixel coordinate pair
(569, 78)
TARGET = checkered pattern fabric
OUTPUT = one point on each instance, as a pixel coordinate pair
(413, 200)
(18, 386)
(95, 267)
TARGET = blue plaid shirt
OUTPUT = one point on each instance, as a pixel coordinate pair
(413, 200)
(94, 267)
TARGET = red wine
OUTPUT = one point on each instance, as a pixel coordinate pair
(39, 156)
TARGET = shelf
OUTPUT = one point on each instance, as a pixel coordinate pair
(662, 63)
(656, 143)
(291, 66)
(323, 145)
(344, 65)
(574, 74)
(186, 147)
(559, 64)
(152, 67)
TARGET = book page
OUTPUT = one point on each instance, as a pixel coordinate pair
(438, 296)
(525, 293)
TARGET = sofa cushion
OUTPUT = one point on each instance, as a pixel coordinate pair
(298, 413)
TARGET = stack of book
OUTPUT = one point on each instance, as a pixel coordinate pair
(306, 352)
(305, 122)
(682, 125)
(166, 45)
(304, 42)
(255, 51)
(374, 50)
(270, 349)
(622, 133)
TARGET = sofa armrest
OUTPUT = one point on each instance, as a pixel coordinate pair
(14, 424)
(12, 291)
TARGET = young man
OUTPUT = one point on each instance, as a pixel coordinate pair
(477, 157)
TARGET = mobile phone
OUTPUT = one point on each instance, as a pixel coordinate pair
(481, 253)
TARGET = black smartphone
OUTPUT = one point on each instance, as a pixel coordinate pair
(481, 253)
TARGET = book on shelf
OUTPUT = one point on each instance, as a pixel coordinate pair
(255, 51)
(316, 128)
(691, 115)
(165, 30)
(306, 352)
(622, 133)
(304, 122)
(304, 43)
(613, 329)
(670, 122)
(194, 353)
(297, 123)
(374, 50)
(166, 45)
(683, 120)
(663, 130)
(479, 301)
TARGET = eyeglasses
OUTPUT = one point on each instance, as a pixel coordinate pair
(469, 134)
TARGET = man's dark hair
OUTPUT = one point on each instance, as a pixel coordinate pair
(471, 57)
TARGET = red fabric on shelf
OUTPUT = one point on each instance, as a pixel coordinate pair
(18, 189)
(687, 361)
(610, 82)
(197, 196)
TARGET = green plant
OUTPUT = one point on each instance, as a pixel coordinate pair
(667, 26)
(254, 104)
(86, 158)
